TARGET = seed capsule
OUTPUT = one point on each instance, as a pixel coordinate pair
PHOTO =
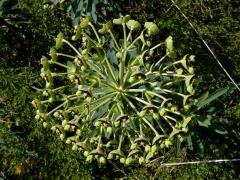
(147, 148)
(102, 160)
(67, 127)
(85, 22)
(185, 129)
(89, 158)
(133, 25)
(151, 28)
(62, 136)
(154, 149)
(141, 160)
(156, 116)
(168, 143)
(142, 114)
(86, 153)
(74, 147)
(109, 130)
(45, 124)
(53, 128)
(64, 122)
(122, 160)
(68, 141)
(162, 112)
(37, 117)
(59, 40)
(191, 70)
(110, 156)
(78, 132)
(128, 160)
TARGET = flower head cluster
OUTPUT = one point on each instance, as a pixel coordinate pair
(118, 96)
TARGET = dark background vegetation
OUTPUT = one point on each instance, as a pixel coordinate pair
(27, 31)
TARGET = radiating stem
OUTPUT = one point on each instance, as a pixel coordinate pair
(160, 60)
(114, 39)
(110, 70)
(94, 67)
(135, 40)
(58, 107)
(129, 35)
(66, 55)
(149, 124)
(110, 111)
(103, 98)
(169, 117)
(140, 100)
(101, 104)
(158, 45)
(120, 142)
(93, 41)
(95, 32)
(120, 108)
(68, 43)
(170, 124)
(155, 94)
(59, 64)
(160, 126)
(135, 90)
(126, 77)
(123, 59)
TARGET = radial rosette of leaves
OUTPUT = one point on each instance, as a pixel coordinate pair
(117, 97)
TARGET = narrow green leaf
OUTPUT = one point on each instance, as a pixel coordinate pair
(212, 97)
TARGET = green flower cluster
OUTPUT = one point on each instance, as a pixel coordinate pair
(118, 97)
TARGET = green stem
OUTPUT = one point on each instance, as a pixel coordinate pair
(160, 126)
(135, 40)
(94, 67)
(172, 74)
(93, 41)
(95, 32)
(120, 108)
(169, 91)
(103, 98)
(99, 139)
(68, 43)
(130, 103)
(114, 39)
(123, 59)
(59, 74)
(170, 124)
(155, 94)
(59, 64)
(140, 100)
(149, 124)
(158, 45)
(140, 126)
(59, 88)
(160, 60)
(61, 105)
(110, 70)
(66, 55)
(120, 142)
(177, 113)
(135, 90)
(101, 104)
(173, 119)
(129, 35)
(81, 115)
(110, 111)
(126, 77)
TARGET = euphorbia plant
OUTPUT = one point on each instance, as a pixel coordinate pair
(118, 96)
